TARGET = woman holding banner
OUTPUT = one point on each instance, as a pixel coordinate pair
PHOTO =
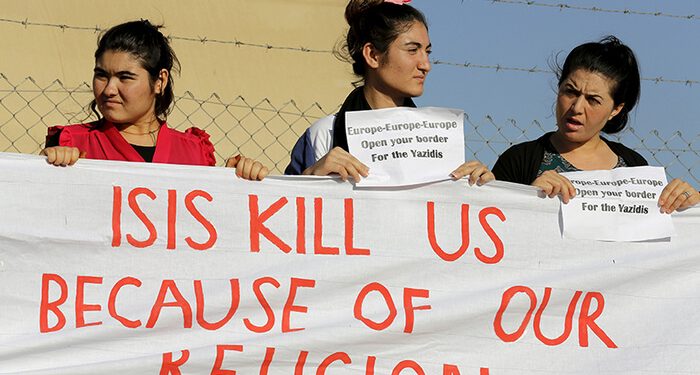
(133, 88)
(388, 46)
(599, 84)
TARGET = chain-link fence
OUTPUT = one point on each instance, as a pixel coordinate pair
(267, 131)
(677, 151)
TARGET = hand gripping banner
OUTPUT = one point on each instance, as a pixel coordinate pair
(110, 267)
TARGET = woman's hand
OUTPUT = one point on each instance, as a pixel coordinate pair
(247, 168)
(678, 194)
(478, 173)
(62, 155)
(553, 184)
(341, 162)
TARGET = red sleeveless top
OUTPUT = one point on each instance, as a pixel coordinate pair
(102, 140)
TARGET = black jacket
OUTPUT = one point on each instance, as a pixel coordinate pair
(521, 162)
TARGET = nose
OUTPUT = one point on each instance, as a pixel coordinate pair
(577, 105)
(424, 64)
(111, 87)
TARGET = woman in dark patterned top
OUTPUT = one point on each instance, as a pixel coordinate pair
(599, 85)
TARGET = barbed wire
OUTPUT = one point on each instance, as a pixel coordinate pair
(563, 6)
(199, 39)
(496, 67)
(238, 43)
(535, 69)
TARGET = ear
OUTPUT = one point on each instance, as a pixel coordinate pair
(161, 82)
(616, 110)
(371, 55)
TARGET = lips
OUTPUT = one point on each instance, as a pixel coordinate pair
(110, 103)
(573, 124)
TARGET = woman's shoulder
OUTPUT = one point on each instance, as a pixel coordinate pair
(631, 157)
(519, 162)
(320, 136)
(67, 135)
(193, 134)
(75, 128)
(315, 142)
(197, 138)
(529, 146)
(321, 126)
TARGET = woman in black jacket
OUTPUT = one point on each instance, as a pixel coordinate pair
(599, 85)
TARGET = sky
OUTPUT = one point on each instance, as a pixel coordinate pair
(509, 33)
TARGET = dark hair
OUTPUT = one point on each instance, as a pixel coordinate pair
(611, 58)
(377, 22)
(151, 48)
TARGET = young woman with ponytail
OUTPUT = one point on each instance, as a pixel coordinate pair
(389, 47)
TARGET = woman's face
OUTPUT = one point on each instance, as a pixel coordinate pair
(123, 89)
(402, 69)
(584, 105)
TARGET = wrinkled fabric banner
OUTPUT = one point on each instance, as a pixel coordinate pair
(111, 267)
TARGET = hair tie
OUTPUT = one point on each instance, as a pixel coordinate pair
(398, 2)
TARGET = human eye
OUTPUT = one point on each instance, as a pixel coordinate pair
(99, 74)
(593, 100)
(568, 91)
(412, 48)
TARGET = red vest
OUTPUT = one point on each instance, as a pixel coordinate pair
(104, 142)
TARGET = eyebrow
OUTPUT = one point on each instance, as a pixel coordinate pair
(97, 69)
(572, 84)
(417, 44)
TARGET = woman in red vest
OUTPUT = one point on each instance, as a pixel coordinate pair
(133, 88)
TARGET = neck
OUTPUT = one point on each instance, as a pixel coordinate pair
(140, 127)
(565, 146)
(140, 133)
(378, 98)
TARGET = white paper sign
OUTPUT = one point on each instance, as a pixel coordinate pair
(406, 146)
(617, 205)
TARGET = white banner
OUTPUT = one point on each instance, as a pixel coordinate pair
(109, 267)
